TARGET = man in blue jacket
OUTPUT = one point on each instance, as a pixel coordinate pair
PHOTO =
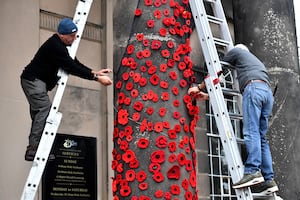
(40, 76)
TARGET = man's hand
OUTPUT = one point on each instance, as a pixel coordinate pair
(103, 72)
(198, 94)
(104, 80)
(193, 90)
(201, 96)
(197, 88)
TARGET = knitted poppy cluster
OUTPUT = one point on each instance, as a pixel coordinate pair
(154, 130)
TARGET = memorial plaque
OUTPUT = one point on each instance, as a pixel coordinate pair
(71, 172)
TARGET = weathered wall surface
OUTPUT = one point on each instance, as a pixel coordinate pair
(267, 27)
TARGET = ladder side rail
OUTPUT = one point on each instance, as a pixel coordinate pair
(80, 18)
(205, 36)
(225, 127)
(41, 157)
(225, 35)
(227, 136)
(54, 117)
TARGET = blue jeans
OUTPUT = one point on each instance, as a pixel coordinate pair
(257, 106)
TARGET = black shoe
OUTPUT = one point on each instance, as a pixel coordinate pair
(265, 188)
(30, 152)
(249, 180)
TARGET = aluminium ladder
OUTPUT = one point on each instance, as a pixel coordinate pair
(54, 117)
(209, 45)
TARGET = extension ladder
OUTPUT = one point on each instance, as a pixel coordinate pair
(209, 44)
(54, 117)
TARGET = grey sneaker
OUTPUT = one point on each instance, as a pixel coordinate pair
(265, 188)
(249, 180)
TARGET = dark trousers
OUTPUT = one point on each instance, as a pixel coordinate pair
(40, 104)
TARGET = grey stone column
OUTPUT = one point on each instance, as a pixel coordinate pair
(154, 137)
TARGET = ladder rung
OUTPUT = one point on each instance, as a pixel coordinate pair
(235, 116)
(215, 20)
(238, 140)
(220, 176)
(221, 42)
(210, 1)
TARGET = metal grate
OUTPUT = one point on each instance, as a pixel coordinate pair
(49, 21)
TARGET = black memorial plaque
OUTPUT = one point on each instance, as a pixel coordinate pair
(71, 172)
